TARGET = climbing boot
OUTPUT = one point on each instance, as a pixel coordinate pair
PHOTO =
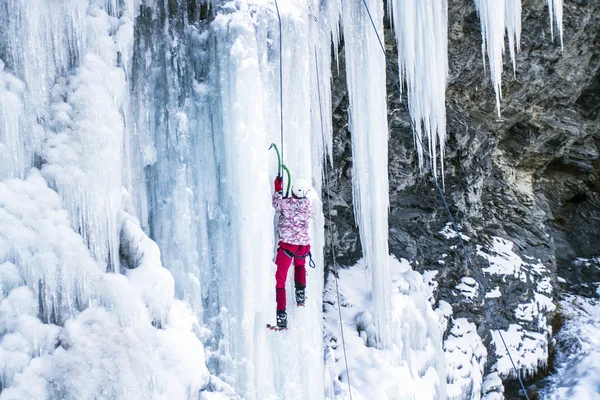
(300, 296)
(281, 319)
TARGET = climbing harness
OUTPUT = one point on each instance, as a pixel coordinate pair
(332, 246)
(292, 255)
(440, 190)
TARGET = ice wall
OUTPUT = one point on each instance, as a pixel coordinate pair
(211, 109)
(368, 124)
(64, 110)
(421, 30)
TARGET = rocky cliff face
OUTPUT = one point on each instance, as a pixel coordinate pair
(531, 177)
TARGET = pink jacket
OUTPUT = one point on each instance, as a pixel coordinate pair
(294, 217)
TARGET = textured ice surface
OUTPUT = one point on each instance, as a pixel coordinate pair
(88, 319)
(166, 136)
(368, 124)
(413, 367)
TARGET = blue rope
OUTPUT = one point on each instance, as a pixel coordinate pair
(462, 244)
(335, 266)
(280, 83)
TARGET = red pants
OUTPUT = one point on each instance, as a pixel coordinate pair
(283, 260)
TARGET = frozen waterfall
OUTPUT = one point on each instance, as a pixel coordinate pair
(136, 228)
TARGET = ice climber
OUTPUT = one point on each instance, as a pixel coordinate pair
(295, 214)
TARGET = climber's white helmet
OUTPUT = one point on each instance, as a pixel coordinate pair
(300, 188)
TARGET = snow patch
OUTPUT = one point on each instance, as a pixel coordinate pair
(494, 293)
(578, 352)
(529, 351)
(450, 233)
(413, 366)
(466, 357)
(468, 288)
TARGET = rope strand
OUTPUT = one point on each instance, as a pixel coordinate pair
(280, 83)
(335, 266)
(462, 244)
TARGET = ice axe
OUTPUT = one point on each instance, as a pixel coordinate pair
(281, 167)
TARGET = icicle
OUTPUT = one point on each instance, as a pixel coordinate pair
(368, 124)
(512, 10)
(45, 39)
(421, 33)
(324, 28)
(555, 9)
(12, 145)
(495, 17)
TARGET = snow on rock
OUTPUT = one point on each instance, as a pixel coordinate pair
(494, 293)
(466, 357)
(504, 261)
(468, 288)
(492, 388)
(528, 347)
(578, 352)
(413, 367)
(529, 351)
(450, 233)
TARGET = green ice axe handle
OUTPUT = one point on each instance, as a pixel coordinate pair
(274, 146)
(289, 181)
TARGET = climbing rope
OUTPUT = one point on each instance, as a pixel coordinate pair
(280, 83)
(439, 188)
(332, 246)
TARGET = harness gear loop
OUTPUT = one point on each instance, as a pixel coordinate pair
(292, 255)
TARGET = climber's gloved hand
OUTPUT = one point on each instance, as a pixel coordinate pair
(279, 184)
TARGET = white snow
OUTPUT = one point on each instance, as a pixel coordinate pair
(466, 358)
(413, 367)
(578, 352)
(494, 293)
(450, 233)
(529, 351)
(503, 260)
(57, 278)
(468, 288)
(492, 388)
